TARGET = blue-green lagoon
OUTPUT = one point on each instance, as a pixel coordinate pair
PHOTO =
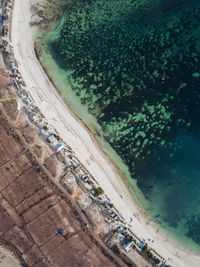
(130, 70)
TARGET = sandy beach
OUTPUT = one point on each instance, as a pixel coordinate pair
(80, 140)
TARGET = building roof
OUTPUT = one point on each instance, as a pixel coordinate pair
(50, 137)
(127, 246)
(58, 147)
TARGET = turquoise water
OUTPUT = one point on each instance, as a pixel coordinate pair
(134, 65)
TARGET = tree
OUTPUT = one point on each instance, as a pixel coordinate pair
(115, 249)
(98, 191)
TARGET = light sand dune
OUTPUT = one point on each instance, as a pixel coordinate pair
(70, 129)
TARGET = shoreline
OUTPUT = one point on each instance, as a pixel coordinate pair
(53, 106)
(98, 141)
(167, 233)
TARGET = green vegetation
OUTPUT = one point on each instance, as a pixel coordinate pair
(145, 248)
(147, 252)
(150, 255)
(98, 191)
(115, 249)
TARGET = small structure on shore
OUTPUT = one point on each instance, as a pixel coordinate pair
(127, 246)
(58, 147)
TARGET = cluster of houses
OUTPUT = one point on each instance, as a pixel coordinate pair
(6, 7)
(117, 229)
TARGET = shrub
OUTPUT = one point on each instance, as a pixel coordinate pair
(115, 249)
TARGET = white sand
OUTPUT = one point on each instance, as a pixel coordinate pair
(70, 129)
(7, 258)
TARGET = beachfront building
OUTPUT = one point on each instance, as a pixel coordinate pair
(140, 244)
(127, 246)
(8, 50)
(50, 137)
(58, 147)
(26, 101)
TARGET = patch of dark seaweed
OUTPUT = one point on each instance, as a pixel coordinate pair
(146, 84)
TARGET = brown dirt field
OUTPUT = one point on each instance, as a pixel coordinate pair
(10, 144)
(4, 82)
(36, 198)
(51, 164)
(18, 238)
(30, 134)
(45, 226)
(72, 228)
(7, 175)
(32, 256)
(85, 255)
(6, 221)
(38, 151)
(4, 77)
(52, 244)
(40, 208)
(13, 147)
(23, 163)
(23, 187)
(41, 149)
(42, 263)
(11, 211)
(56, 241)
(22, 120)
(10, 107)
(4, 156)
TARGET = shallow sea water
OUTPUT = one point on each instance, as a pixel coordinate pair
(135, 66)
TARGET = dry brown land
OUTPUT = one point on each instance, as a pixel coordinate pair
(36, 220)
(11, 108)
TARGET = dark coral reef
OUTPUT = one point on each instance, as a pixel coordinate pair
(135, 64)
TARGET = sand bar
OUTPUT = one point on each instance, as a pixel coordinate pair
(73, 133)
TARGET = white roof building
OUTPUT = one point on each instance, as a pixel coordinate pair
(51, 138)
